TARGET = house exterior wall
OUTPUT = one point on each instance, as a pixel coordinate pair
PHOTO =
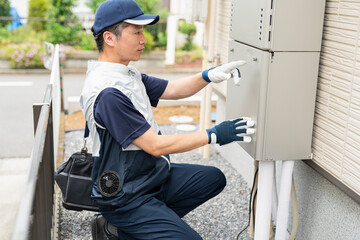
(325, 211)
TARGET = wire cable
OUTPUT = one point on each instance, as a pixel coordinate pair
(295, 211)
(252, 199)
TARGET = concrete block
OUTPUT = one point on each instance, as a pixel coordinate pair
(73, 104)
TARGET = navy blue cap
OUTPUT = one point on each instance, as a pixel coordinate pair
(111, 12)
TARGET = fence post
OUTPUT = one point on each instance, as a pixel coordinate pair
(43, 207)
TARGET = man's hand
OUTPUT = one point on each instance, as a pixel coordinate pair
(224, 72)
(230, 131)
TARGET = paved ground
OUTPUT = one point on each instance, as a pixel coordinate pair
(13, 173)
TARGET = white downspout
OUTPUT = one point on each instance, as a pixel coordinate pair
(284, 200)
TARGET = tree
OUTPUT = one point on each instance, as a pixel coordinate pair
(59, 28)
(62, 9)
(38, 9)
(4, 12)
(94, 4)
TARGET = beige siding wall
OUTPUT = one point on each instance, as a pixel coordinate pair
(336, 138)
(222, 29)
(222, 37)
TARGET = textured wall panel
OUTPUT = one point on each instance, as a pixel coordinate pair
(336, 138)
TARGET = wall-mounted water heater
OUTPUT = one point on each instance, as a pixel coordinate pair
(281, 41)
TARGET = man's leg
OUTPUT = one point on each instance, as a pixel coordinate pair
(191, 185)
(151, 220)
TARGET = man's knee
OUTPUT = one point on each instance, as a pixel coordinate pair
(217, 177)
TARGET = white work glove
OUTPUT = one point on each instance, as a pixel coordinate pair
(232, 130)
(224, 72)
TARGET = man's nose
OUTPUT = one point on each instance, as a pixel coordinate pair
(143, 39)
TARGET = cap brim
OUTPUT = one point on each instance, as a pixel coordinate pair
(143, 20)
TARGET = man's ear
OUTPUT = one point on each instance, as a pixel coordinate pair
(109, 38)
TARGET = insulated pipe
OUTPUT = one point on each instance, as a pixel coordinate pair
(263, 203)
(295, 211)
(284, 200)
(274, 202)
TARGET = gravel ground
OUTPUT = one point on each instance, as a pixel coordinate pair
(222, 217)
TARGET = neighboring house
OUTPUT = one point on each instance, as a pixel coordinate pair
(326, 210)
(180, 9)
(81, 10)
(21, 6)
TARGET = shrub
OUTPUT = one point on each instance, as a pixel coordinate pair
(162, 39)
(21, 35)
(150, 43)
(189, 30)
(86, 41)
(58, 33)
(188, 56)
(25, 55)
(196, 54)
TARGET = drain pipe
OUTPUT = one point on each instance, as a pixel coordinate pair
(274, 201)
(284, 200)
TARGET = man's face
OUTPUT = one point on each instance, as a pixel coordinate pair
(130, 44)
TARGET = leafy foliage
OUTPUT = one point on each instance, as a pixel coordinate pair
(86, 41)
(4, 11)
(94, 4)
(59, 28)
(21, 35)
(150, 43)
(38, 9)
(62, 9)
(162, 39)
(189, 30)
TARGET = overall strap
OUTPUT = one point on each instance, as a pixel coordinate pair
(86, 135)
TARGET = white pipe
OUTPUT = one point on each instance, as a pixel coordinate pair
(263, 203)
(284, 200)
(274, 202)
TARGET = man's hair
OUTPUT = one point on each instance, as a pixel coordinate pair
(115, 29)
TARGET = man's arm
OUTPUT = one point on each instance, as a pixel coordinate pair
(184, 87)
(187, 87)
(158, 145)
(224, 133)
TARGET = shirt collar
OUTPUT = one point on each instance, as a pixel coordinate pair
(94, 65)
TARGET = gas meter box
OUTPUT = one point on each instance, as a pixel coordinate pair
(278, 25)
(277, 90)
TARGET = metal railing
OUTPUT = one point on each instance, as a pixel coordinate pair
(35, 217)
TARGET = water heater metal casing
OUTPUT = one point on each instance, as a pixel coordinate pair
(281, 42)
(278, 91)
(278, 25)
